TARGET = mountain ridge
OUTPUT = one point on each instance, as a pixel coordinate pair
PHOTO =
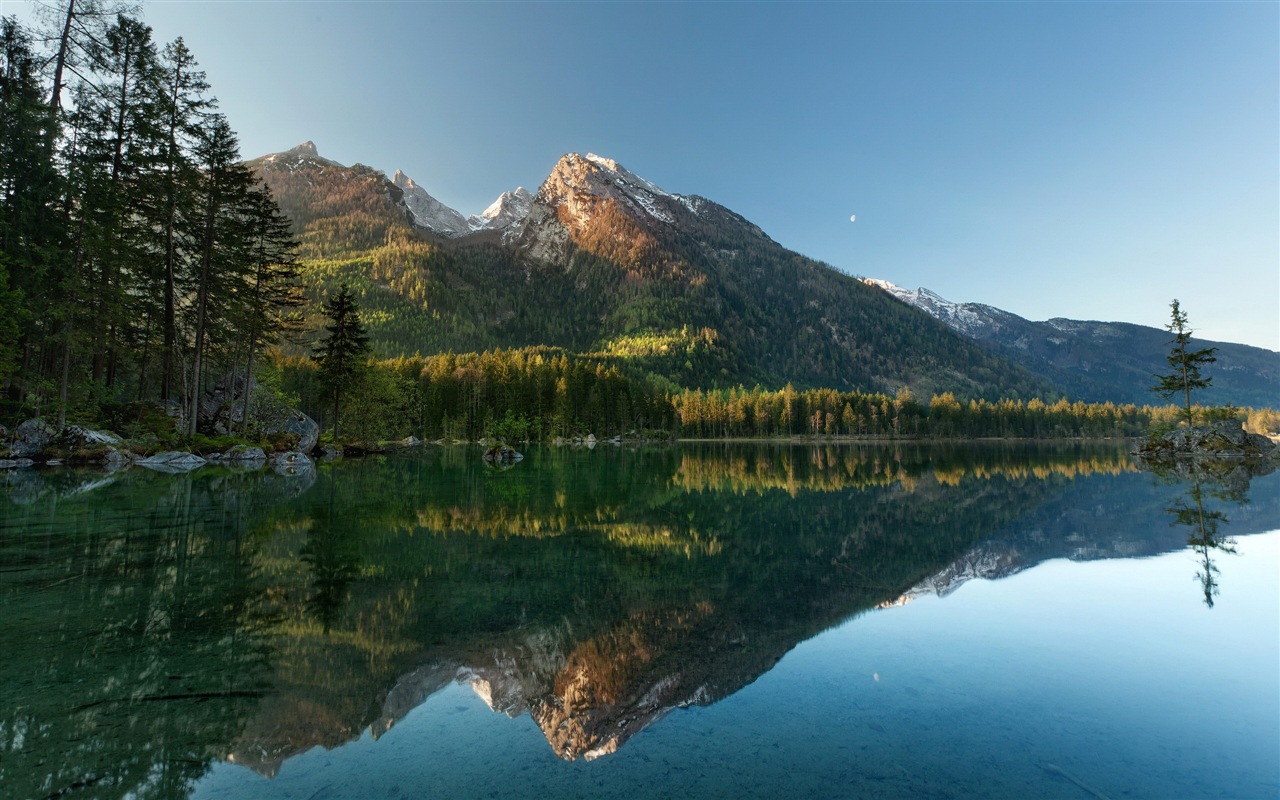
(603, 261)
(1097, 361)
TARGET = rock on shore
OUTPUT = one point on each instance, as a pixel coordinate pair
(1223, 439)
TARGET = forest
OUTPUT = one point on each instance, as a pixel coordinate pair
(141, 259)
(138, 254)
(542, 393)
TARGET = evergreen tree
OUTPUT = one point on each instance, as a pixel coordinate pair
(182, 105)
(343, 352)
(225, 243)
(10, 310)
(1186, 364)
(29, 234)
(121, 141)
(274, 298)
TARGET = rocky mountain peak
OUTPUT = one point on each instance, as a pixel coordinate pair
(969, 319)
(506, 214)
(295, 158)
(427, 212)
(578, 189)
(579, 183)
(601, 177)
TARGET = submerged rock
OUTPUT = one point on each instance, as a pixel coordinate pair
(501, 454)
(293, 463)
(409, 441)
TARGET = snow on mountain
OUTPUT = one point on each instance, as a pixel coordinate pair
(426, 211)
(297, 157)
(1097, 361)
(578, 189)
(506, 214)
(971, 319)
(577, 177)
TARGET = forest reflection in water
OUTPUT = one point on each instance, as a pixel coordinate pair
(162, 623)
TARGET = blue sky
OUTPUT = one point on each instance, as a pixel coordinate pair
(1090, 160)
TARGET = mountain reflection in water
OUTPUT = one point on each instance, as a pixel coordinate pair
(161, 623)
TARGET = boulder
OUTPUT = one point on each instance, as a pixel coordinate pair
(117, 459)
(74, 437)
(501, 454)
(291, 459)
(400, 444)
(222, 410)
(222, 407)
(32, 438)
(294, 464)
(295, 424)
(1220, 439)
(173, 461)
(86, 445)
(243, 452)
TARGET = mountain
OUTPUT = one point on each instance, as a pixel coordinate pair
(427, 212)
(504, 214)
(603, 261)
(1100, 361)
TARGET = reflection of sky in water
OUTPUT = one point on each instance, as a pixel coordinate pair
(1073, 680)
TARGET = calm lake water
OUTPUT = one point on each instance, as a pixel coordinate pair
(696, 621)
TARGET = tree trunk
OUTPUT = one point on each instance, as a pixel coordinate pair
(202, 302)
(170, 314)
(59, 65)
(104, 357)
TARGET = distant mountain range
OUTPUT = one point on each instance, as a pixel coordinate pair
(604, 262)
(1100, 361)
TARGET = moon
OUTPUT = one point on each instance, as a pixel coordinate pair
(853, 218)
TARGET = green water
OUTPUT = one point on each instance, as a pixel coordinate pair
(700, 621)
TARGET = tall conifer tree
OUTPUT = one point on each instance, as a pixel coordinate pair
(344, 350)
(1185, 362)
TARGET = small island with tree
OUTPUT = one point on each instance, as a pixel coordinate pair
(1219, 434)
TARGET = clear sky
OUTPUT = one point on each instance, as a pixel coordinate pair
(1089, 160)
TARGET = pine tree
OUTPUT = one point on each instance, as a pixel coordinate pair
(343, 352)
(182, 104)
(225, 242)
(274, 299)
(1185, 363)
(119, 112)
(29, 186)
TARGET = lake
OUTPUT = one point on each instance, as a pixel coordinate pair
(703, 620)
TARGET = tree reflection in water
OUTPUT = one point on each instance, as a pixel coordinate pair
(1228, 484)
(595, 592)
(332, 553)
